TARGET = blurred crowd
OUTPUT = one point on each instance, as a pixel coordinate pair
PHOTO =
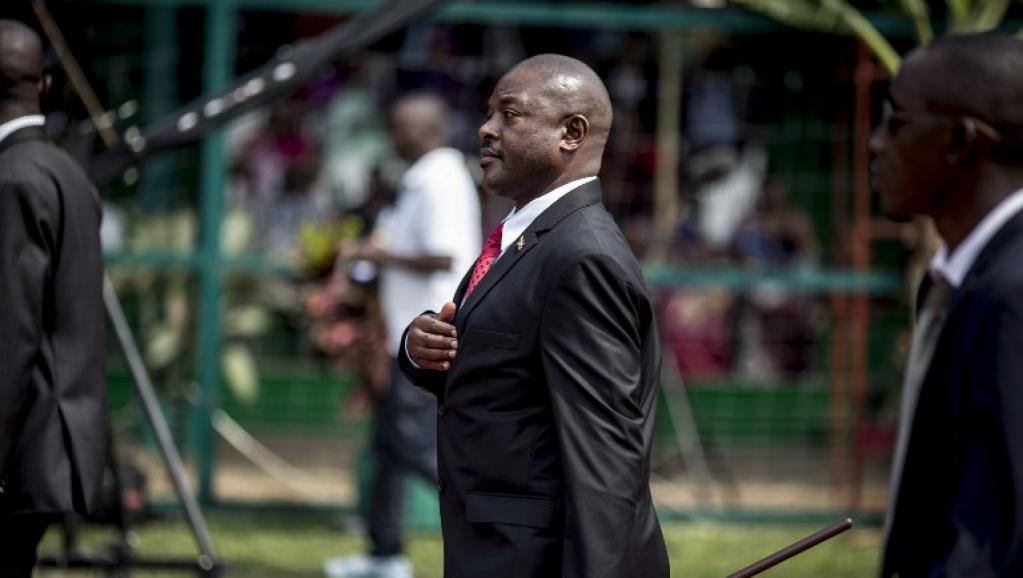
(320, 167)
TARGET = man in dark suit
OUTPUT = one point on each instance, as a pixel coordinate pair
(546, 363)
(52, 420)
(951, 148)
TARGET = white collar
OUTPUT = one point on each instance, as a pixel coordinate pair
(19, 123)
(516, 223)
(954, 267)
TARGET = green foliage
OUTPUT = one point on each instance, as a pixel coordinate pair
(829, 16)
(988, 15)
(918, 11)
(975, 15)
(841, 17)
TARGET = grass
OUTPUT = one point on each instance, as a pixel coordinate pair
(279, 546)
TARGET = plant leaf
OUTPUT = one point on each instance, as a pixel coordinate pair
(867, 32)
(959, 10)
(920, 14)
(989, 15)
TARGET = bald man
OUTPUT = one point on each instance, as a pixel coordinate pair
(52, 420)
(951, 147)
(422, 245)
(546, 362)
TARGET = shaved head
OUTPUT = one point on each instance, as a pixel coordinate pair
(548, 121)
(419, 123)
(21, 64)
(425, 108)
(572, 87)
(21, 54)
(987, 82)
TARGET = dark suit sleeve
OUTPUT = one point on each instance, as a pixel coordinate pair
(425, 379)
(987, 510)
(591, 350)
(24, 262)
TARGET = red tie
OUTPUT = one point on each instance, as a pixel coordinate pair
(491, 250)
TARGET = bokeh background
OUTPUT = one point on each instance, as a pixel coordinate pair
(736, 167)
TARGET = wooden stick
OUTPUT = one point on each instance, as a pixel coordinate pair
(794, 549)
(75, 74)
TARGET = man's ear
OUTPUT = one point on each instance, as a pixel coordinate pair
(45, 82)
(576, 129)
(963, 141)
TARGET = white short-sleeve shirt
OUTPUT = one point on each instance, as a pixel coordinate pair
(437, 213)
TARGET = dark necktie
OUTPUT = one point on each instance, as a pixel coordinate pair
(925, 338)
(491, 251)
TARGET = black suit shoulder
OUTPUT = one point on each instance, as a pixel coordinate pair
(41, 166)
(590, 233)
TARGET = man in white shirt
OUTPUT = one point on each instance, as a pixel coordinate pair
(951, 148)
(423, 245)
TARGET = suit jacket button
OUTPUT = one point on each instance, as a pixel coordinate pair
(441, 486)
(441, 409)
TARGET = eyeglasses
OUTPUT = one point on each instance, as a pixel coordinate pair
(893, 120)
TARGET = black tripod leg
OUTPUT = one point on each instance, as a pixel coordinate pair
(151, 406)
(124, 546)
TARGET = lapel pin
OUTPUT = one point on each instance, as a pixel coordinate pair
(520, 243)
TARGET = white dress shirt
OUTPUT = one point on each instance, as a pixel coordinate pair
(954, 267)
(516, 223)
(19, 123)
(518, 220)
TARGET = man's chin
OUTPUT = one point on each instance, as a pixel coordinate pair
(493, 186)
(895, 212)
(891, 205)
(898, 217)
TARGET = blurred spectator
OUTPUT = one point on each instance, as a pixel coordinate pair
(724, 203)
(763, 333)
(278, 179)
(712, 125)
(775, 326)
(778, 233)
(423, 246)
(629, 86)
(355, 140)
(696, 328)
(301, 201)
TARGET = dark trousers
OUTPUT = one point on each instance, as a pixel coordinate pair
(19, 541)
(404, 442)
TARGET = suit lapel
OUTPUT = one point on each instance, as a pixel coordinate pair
(1010, 231)
(582, 196)
(497, 271)
(463, 284)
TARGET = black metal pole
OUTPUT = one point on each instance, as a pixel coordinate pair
(151, 406)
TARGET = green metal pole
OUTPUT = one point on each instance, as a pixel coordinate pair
(217, 71)
(160, 96)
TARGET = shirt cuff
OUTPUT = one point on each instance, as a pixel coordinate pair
(404, 345)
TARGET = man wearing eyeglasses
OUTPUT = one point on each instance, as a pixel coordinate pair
(951, 148)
